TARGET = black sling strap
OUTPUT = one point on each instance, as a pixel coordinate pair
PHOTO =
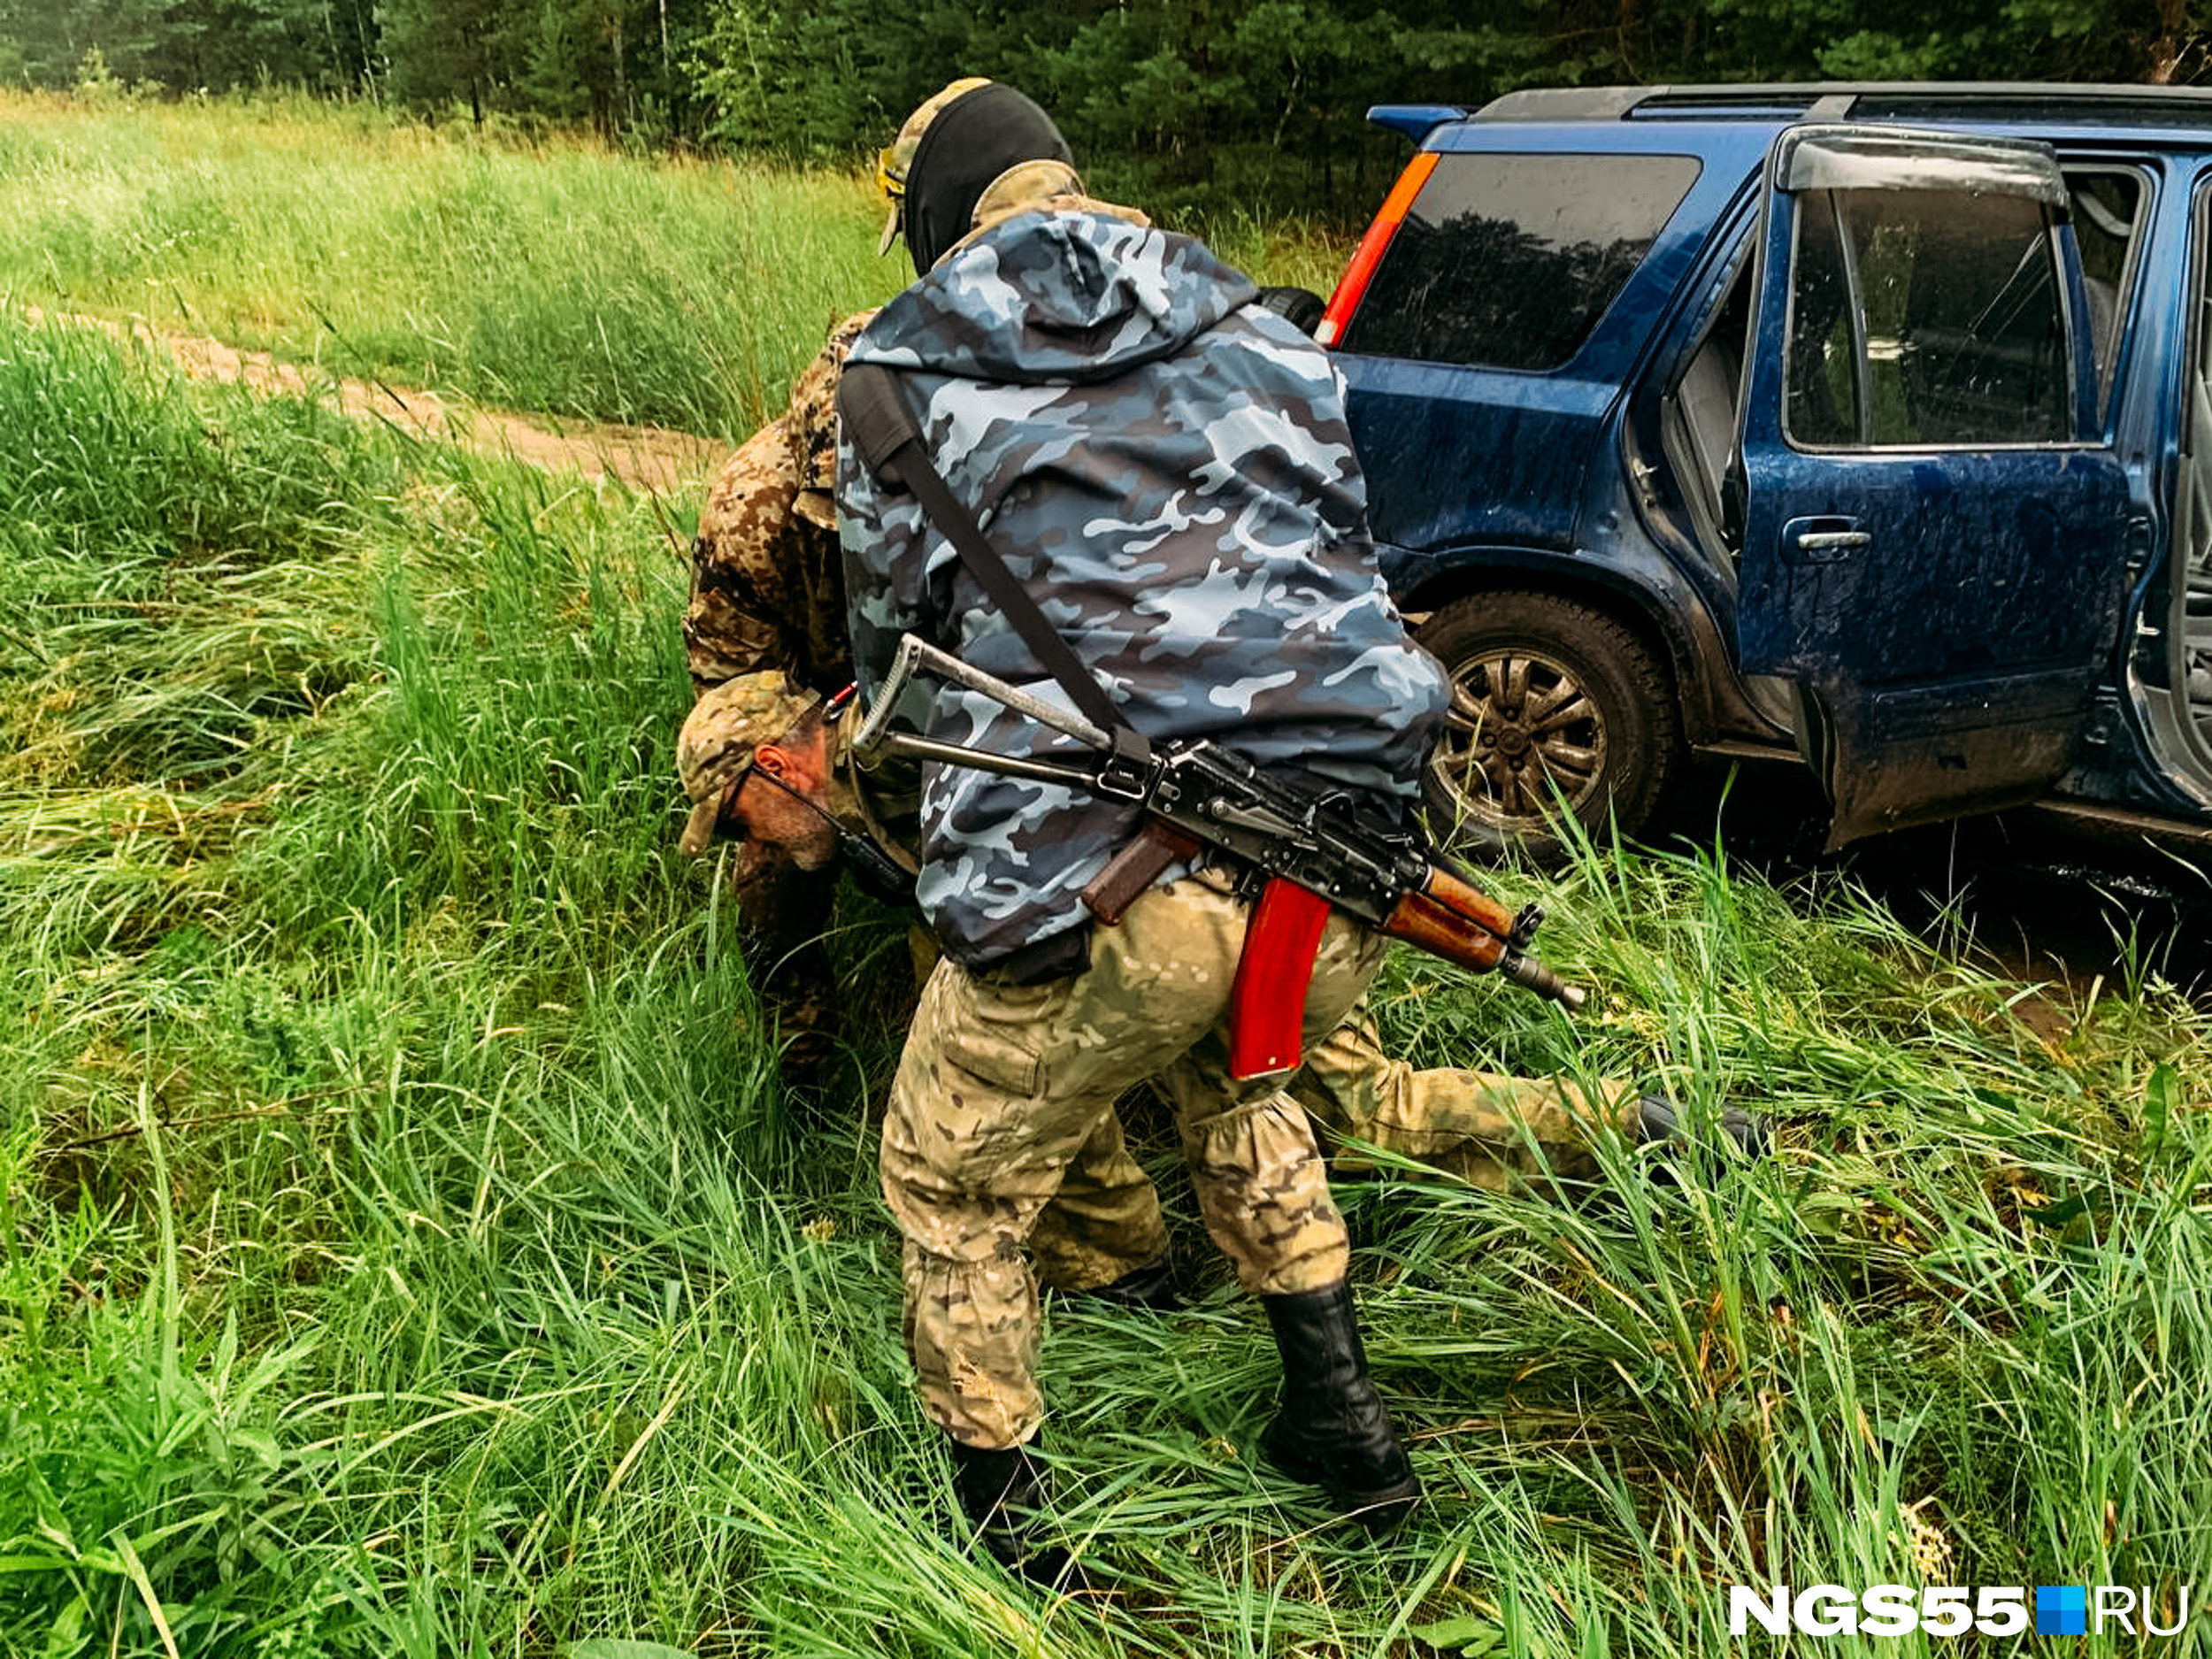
(884, 435)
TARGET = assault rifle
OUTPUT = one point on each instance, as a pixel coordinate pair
(1312, 846)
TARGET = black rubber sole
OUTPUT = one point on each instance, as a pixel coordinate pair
(1377, 1509)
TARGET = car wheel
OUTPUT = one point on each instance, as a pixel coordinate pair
(1301, 306)
(1557, 704)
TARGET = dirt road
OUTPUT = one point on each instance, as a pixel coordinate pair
(644, 458)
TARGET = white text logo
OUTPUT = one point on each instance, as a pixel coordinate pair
(1897, 1609)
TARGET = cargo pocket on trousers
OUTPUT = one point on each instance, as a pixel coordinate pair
(1004, 1033)
(1000, 1060)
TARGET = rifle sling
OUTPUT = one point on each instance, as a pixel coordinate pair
(889, 441)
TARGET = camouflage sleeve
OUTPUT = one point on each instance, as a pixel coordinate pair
(810, 424)
(767, 587)
(740, 618)
(883, 536)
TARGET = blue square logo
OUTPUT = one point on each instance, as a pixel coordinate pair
(2062, 1609)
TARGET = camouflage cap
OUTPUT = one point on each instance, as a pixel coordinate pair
(1027, 189)
(1031, 188)
(718, 742)
(893, 163)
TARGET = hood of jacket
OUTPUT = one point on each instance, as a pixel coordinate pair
(1056, 298)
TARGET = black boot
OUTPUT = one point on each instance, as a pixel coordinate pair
(1003, 1493)
(1333, 1431)
(1658, 1124)
(1148, 1289)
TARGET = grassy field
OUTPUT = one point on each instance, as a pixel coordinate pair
(554, 277)
(406, 1248)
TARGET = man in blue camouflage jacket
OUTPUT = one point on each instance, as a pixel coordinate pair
(1166, 469)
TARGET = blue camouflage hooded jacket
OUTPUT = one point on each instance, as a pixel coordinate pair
(1166, 468)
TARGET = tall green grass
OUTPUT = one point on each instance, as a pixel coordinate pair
(406, 1248)
(558, 277)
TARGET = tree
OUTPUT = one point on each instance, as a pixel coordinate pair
(436, 51)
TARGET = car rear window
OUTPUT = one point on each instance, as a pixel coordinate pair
(1509, 261)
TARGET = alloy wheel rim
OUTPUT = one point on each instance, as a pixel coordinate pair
(1538, 736)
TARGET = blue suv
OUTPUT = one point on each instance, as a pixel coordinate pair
(1868, 424)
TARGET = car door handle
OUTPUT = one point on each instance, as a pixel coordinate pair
(1822, 541)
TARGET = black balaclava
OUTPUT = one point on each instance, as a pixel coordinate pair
(972, 140)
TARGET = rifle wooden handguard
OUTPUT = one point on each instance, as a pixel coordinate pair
(1448, 919)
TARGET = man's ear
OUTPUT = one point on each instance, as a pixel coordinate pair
(802, 767)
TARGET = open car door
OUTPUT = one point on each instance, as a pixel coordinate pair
(1933, 535)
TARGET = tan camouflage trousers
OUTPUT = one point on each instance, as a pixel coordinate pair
(1491, 1130)
(1004, 1090)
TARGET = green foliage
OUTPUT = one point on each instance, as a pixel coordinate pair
(1196, 110)
(187, 46)
(442, 51)
(562, 279)
(1259, 104)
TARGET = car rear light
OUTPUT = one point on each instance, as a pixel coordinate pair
(1369, 254)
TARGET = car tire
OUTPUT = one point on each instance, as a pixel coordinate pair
(1558, 692)
(1301, 307)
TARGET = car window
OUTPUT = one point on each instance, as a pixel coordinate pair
(2107, 214)
(1510, 261)
(1924, 317)
(1698, 416)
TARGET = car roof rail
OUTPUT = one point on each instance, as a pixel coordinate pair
(1993, 100)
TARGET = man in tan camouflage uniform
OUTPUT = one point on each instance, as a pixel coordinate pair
(1165, 465)
(1009, 1080)
(767, 593)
